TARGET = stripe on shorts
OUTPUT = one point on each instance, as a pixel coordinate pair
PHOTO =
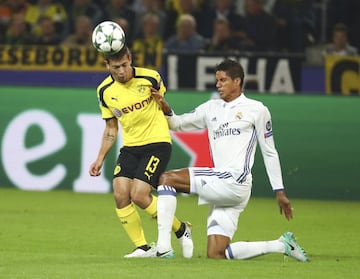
(211, 172)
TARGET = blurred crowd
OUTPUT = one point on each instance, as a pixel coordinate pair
(155, 26)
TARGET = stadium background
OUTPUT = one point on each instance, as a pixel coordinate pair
(47, 142)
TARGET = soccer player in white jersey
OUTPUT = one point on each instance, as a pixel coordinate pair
(235, 124)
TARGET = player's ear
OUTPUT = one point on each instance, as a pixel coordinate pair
(106, 62)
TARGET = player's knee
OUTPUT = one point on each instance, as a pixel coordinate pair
(165, 178)
(121, 200)
(137, 198)
(141, 198)
(117, 196)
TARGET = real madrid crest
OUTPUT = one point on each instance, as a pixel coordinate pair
(239, 115)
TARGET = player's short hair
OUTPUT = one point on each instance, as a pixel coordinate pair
(233, 69)
(118, 55)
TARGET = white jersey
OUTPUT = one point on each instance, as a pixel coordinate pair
(234, 129)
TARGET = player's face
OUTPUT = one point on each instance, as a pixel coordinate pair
(228, 88)
(121, 69)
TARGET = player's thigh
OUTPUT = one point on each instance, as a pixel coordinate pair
(127, 162)
(179, 179)
(217, 187)
(121, 189)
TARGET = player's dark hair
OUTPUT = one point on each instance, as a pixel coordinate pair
(117, 55)
(232, 68)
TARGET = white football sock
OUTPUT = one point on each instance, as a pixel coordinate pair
(245, 250)
(166, 207)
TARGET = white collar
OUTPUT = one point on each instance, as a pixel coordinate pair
(236, 101)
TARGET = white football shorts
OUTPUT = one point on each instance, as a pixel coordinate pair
(227, 198)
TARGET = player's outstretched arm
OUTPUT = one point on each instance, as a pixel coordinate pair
(284, 205)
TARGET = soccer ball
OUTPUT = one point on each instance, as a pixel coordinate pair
(108, 37)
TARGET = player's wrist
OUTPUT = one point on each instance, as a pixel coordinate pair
(169, 113)
(279, 191)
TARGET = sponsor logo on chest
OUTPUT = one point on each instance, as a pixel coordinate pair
(133, 107)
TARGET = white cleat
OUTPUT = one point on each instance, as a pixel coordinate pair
(292, 248)
(141, 253)
(186, 242)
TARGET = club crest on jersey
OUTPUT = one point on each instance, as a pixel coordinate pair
(117, 112)
(238, 115)
(141, 88)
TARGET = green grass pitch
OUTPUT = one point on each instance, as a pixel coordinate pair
(61, 234)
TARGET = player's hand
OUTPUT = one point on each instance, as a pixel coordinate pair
(284, 205)
(160, 100)
(95, 169)
(157, 96)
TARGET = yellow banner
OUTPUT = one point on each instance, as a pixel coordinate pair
(55, 58)
(342, 75)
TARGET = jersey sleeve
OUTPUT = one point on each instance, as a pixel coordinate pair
(154, 78)
(106, 113)
(162, 88)
(270, 155)
(190, 121)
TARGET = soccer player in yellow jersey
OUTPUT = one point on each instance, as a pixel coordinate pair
(125, 97)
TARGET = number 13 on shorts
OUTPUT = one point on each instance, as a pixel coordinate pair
(151, 166)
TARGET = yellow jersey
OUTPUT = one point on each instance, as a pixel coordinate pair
(141, 118)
